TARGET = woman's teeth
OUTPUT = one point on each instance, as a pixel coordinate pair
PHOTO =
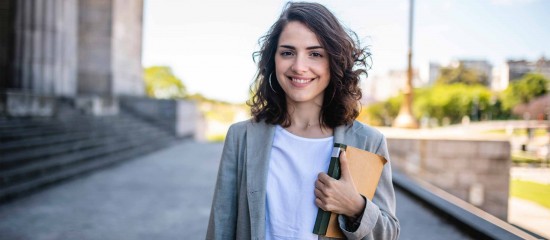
(301, 80)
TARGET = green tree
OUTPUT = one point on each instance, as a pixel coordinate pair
(523, 90)
(441, 101)
(160, 82)
(381, 113)
(453, 101)
(461, 74)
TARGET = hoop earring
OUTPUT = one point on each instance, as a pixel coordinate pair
(270, 83)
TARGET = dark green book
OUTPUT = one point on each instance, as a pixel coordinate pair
(365, 169)
(323, 217)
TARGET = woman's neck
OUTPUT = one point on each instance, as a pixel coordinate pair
(305, 121)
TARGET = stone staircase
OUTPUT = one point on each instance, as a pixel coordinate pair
(38, 152)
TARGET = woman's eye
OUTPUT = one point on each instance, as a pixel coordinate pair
(316, 54)
(287, 53)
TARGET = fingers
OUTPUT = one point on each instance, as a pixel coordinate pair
(324, 178)
(320, 194)
(321, 200)
(321, 204)
(320, 189)
(320, 197)
(338, 196)
(319, 184)
(344, 167)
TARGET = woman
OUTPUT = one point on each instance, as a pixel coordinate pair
(272, 178)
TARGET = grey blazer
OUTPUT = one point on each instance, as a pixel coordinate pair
(238, 207)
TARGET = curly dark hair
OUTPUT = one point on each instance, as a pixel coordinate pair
(347, 61)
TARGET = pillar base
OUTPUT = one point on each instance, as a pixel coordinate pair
(405, 121)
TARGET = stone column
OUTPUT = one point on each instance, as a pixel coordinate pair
(110, 48)
(127, 45)
(44, 60)
(94, 40)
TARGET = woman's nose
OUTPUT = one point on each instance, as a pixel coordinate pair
(299, 65)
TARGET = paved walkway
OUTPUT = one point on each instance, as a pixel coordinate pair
(530, 216)
(527, 214)
(539, 175)
(164, 195)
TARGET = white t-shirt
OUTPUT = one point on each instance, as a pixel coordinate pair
(294, 165)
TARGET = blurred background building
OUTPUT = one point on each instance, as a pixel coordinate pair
(515, 69)
(381, 87)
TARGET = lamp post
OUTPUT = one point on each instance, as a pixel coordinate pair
(405, 118)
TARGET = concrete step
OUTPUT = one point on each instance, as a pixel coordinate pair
(50, 165)
(15, 122)
(24, 188)
(48, 140)
(88, 124)
(37, 152)
(74, 135)
(47, 149)
(11, 136)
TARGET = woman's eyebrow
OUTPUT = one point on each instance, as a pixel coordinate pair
(294, 48)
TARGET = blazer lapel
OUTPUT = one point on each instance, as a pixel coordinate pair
(259, 141)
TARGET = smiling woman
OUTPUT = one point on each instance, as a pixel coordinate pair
(304, 43)
(272, 179)
(301, 65)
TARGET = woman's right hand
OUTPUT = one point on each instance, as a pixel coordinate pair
(339, 196)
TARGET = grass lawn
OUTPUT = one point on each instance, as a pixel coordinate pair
(522, 157)
(535, 192)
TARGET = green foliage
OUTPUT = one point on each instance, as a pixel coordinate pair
(464, 97)
(441, 101)
(452, 101)
(160, 82)
(461, 74)
(520, 158)
(221, 112)
(524, 90)
(381, 113)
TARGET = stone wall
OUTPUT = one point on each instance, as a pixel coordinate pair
(178, 117)
(475, 170)
(24, 104)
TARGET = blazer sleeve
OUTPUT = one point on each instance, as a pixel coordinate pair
(223, 213)
(379, 220)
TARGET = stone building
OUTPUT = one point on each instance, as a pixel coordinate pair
(515, 69)
(81, 49)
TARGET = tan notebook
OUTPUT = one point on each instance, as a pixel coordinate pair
(365, 168)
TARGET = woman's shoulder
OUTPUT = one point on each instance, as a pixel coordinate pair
(243, 126)
(374, 140)
(362, 129)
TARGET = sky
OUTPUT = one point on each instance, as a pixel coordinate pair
(209, 43)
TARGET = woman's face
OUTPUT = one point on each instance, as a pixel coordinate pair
(301, 65)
